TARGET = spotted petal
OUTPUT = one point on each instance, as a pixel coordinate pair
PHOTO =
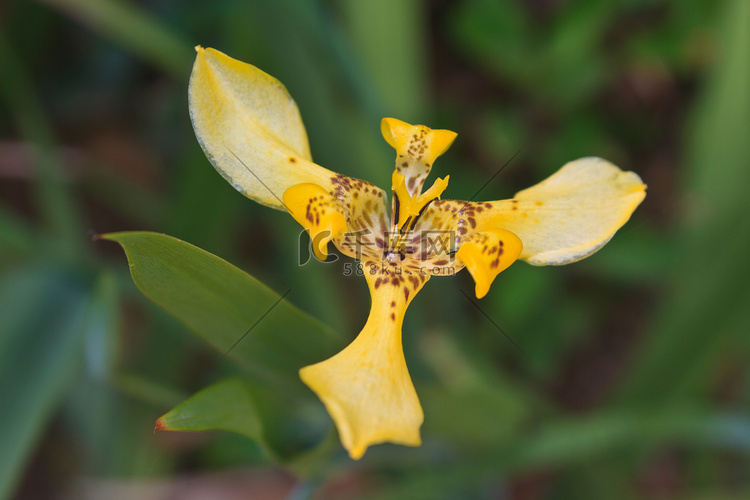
(487, 254)
(416, 147)
(316, 210)
(366, 387)
(250, 128)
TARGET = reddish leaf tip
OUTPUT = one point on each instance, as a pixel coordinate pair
(160, 426)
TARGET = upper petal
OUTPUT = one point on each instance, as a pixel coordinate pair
(250, 128)
(416, 147)
(571, 214)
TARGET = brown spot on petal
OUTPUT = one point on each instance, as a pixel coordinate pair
(414, 281)
(292, 159)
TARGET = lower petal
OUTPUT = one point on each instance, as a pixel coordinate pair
(366, 388)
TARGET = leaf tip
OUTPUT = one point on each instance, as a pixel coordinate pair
(101, 236)
(160, 425)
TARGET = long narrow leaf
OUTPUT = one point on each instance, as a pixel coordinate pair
(232, 311)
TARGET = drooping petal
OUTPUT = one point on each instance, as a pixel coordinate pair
(416, 147)
(250, 128)
(366, 387)
(571, 214)
(487, 254)
(565, 218)
(316, 210)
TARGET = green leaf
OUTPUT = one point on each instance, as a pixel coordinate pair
(227, 405)
(250, 409)
(226, 307)
(41, 343)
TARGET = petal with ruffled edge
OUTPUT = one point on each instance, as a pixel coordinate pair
(366, 388)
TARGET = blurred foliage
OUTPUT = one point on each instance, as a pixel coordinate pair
(630, 379)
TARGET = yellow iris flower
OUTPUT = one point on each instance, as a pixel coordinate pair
(250, 129)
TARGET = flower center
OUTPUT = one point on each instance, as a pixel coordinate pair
(416, 147)
(407, 209)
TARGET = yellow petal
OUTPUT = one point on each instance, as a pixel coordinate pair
(366, 388)
(417, 147)
(316, 210)
(250, 128)
(487, 254)
(570, 215)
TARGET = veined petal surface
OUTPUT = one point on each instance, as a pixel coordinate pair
(250, 128)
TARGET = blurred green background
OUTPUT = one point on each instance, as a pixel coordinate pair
(627, 373)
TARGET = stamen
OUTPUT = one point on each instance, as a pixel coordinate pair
(411, 206)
